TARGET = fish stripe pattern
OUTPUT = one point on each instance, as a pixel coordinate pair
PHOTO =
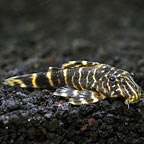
(83, 82)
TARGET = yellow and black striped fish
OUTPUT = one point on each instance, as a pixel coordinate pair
(83, 82)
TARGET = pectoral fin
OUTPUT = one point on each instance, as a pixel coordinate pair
(78, 97)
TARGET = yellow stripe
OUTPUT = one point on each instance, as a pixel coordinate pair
(83, 101)
(72, 62)
(94, 78)
(80, 69)
(34, 76)
(73, 103)
(108, 86)
(94, 75)
(73, 82)
(126, 91)
(76, 66)
(49, 76)
(84, 62)
(11, 81)
(120, 89)
(135, 94)
(94, 97)
(106, 75)
(65, 76)
(67, 64)
(103, 86)
(137, 97)
(102, 95)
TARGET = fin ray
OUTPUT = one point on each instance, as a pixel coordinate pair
(78, 97)
(77, 64)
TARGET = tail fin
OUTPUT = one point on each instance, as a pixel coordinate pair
(36, 80)
(16, 80)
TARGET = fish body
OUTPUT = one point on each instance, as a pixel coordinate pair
(83, 82)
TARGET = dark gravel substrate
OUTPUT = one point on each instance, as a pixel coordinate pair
(37, 34)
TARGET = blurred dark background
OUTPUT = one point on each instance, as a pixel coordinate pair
(94, 20)
(64, 21)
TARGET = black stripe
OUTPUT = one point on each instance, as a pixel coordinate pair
(42, 81)
(26, 79)
(61, 78)
(127, 87)
(108, 70)
(71, 66)
(55, 76)
(76, 71)
(84, 74)
(133, 85)
(118, 71)
(70, 73)
(90, 79)
(122, 85)
(99, 75)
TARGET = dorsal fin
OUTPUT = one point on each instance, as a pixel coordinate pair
(77, 64)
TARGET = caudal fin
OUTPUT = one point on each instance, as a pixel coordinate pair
(49, 79)
(28, 80)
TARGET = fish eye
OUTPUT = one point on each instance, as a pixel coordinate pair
(112, 78)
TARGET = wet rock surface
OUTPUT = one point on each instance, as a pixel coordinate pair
(36, 35)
